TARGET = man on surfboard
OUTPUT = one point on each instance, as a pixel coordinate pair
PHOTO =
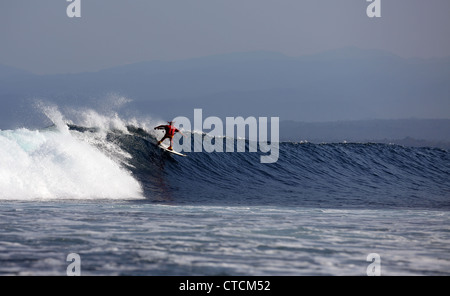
(170, 130)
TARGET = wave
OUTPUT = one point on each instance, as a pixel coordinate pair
(55, 163)
(112, 158)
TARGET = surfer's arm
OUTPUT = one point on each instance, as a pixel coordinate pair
(178, 131)
(160, 127)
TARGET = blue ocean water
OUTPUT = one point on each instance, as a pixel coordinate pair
(128, 208)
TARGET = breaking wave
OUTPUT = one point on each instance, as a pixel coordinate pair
(106, 157)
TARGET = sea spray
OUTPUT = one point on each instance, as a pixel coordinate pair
(55, 164)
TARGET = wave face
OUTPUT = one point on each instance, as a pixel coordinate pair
(122, 162)
(339, 175)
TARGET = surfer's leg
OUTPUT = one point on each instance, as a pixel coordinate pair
(171, 143)
(163, 138)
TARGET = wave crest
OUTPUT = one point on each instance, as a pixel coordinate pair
(56, 164)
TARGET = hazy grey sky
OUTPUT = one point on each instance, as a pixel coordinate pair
(39, 37)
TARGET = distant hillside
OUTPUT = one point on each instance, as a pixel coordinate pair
(408, 132)
(346, 84)
(8, 73)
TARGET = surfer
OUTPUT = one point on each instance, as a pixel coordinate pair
(170, 130)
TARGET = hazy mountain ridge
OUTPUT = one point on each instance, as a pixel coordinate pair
(345, 85)
(407, 132)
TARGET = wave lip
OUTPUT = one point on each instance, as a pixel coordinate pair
(53, 164)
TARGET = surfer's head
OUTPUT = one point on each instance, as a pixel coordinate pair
(171, 122)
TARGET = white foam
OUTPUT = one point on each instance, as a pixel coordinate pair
(91, 118)
(57, 165)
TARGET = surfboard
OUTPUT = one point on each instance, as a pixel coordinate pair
(164, 147)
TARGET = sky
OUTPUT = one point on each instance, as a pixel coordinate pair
(39, 37)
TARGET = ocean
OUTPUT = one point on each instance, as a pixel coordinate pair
(101, 189)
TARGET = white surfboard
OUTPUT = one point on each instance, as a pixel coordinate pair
(164, 147)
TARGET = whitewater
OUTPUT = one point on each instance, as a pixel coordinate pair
(97, 185)
(55, 164)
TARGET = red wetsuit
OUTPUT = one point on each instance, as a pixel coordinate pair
(170, 132)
